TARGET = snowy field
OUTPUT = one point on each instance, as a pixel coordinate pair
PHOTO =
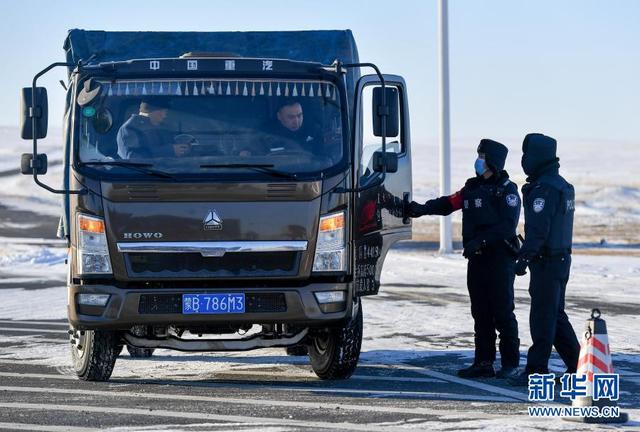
(418, 328)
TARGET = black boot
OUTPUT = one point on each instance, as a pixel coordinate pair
(520, 380)
(507, 372)
(482, 369)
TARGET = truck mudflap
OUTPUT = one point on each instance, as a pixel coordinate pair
(244, 344)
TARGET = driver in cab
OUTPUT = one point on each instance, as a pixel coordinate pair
(143, 137)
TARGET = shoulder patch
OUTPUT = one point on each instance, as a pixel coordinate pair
(512, 200)
(538, 205)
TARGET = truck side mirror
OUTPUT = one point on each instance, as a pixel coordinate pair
(28, 164)
(381, 159)
(39, 111)
(391, 109)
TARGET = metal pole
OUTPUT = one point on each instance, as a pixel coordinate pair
(445, 139)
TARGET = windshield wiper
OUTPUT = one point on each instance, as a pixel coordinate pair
(136, 166)
(263, 168)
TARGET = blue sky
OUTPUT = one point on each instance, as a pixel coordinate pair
(568, 68)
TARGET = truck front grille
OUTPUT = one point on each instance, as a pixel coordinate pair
(230, 265)
(172, 303)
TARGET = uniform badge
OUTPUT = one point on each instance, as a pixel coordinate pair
(538, 205)
(512, 200)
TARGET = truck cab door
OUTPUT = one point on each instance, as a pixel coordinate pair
(379, 219)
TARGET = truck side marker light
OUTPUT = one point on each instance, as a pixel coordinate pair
(91, 225)
(332, 223)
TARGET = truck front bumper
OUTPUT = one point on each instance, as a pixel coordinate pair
(128, 307)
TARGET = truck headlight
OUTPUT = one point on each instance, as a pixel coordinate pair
(93, 253)
(330, 246)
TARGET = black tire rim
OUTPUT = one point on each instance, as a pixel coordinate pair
(321, 343)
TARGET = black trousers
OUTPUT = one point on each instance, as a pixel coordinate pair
(549, 323)
(490, 279)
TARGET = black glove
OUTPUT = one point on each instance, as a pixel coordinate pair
(473, 247)
(521, 266)
(416, 210)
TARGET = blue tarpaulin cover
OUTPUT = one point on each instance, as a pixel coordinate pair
(322, 46)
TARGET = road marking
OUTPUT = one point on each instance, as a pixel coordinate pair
(198, 416)
(31, 330)
(477, 385)
(49, 323)
(329, 390)
(48, 427)
(243, 401)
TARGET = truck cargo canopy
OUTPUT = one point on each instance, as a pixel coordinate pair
(321, 46)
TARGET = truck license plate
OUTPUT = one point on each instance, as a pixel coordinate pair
(212, 303)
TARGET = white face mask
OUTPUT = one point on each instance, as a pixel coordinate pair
(480, 166)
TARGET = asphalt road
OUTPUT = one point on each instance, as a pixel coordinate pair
(268, 393)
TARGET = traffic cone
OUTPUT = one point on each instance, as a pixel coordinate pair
(595, 357)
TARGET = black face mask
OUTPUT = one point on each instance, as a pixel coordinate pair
(527, 165)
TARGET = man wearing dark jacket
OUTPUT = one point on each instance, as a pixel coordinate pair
(490, 210)
(549, 204)
(141, 136)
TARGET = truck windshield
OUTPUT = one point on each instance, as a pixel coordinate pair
(212, 127)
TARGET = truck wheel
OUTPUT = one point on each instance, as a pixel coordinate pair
(94, 353)
(334, 353)
(140, 352)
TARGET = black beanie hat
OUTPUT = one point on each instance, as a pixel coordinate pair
(154, 103)
(538, 151)
(495, 154)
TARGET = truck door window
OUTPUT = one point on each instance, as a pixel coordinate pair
(371, 143)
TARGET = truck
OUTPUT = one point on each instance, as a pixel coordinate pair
(223, 191)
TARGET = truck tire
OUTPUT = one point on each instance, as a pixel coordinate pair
(334, 353)
(140, 352)
(94, 353)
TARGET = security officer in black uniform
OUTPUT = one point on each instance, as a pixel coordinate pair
(549, 204)
(490, 210)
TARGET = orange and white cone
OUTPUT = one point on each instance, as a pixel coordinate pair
(595, 358)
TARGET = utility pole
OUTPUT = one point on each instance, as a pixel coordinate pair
(445, 133)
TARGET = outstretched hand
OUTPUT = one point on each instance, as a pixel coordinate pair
(415, 209)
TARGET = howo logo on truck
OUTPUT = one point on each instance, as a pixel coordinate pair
(142, 235)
